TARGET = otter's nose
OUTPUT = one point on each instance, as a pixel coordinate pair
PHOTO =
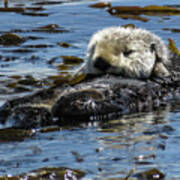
(101, 64)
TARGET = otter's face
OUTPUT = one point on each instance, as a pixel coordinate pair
(128, 58)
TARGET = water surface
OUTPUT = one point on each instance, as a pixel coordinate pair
(107, 149)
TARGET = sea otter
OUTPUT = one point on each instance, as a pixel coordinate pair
(129, 52)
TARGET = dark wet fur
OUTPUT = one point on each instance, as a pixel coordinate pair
(96, 98)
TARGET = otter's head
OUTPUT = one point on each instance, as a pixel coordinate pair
(130, 58)
(134, 53)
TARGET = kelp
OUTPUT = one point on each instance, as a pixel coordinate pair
(77, 79)
(12, 9)
(50, 28)
(146, 10)
(42, 3)
(19, 84)
(47, 173)
(101, 5)
(151, 174)
(11, 134)
(35, 14)
(134, 17)
(50, 129)
(64, 44)
(72, 60)
(64, 67)
(172, 47)
(11, 39)
(19, 9)
(129, 26)
(67, 79)
(175, 30)
(35, 8)
(21, 50)
(38, 46)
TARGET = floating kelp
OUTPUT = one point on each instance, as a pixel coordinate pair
(19, 84)
(77, 79)
(151, 175)
(66, 79)
(10, 134)
(134, 17)
(146, 10)
(60, 79)
(65, 67)
(28, 80)
(51, 28)
(42, 3)
(49, 173)
(11, 39)
(172, 47)
(38, 46)
(72, 60)
(101, 5)
(16, 77)
(12, 9)
(35, 8)
(129, 26)
(33, 38)
(50, 129)
(21, 50)
(35, 14)
(172, 30)
(64, 44)
(17, 88)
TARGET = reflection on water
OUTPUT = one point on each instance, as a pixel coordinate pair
(104, 149)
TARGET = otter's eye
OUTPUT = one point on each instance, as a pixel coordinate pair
(127, 52)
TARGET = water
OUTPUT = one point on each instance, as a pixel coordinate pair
(109, 149)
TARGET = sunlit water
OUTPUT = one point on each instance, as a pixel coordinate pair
(109, 149)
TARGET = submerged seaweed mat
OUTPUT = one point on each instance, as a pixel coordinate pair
(105, 150)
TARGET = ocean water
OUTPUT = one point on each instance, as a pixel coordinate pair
(108, 149)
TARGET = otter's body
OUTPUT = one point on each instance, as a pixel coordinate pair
(134, 53)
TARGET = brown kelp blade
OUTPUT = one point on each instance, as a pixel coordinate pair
(172, 47)
(146, 10)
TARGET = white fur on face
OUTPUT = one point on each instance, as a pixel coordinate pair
(127, 51)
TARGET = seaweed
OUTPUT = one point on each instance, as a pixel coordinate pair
(135, 12)
(12, 134)
(172, 47)
(101, 5)
(72, 60)
(11, 39)
(64, 44)
(47, 173)
(146, 10)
